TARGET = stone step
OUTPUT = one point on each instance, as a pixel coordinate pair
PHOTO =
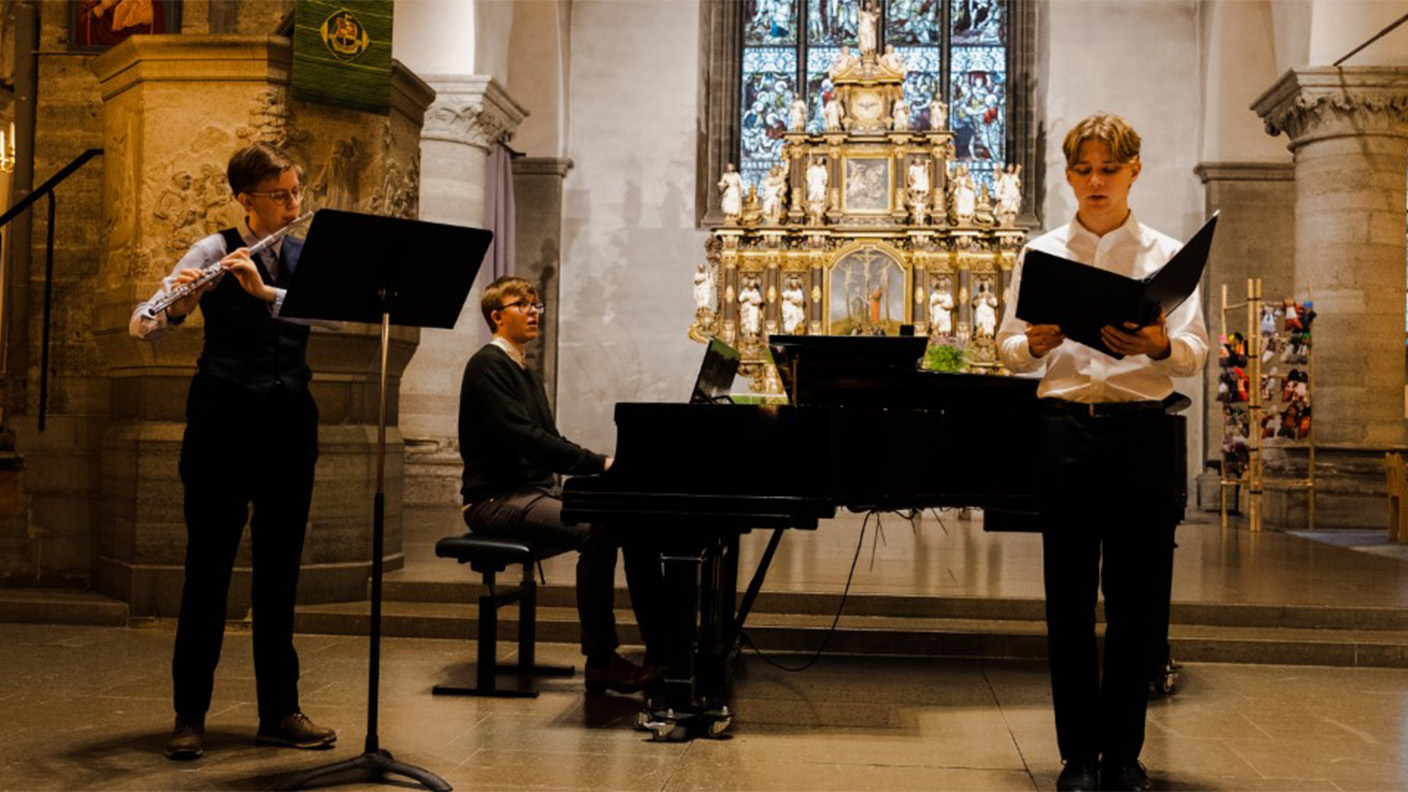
(1005, 638)
(1337, 617)
(61, 606)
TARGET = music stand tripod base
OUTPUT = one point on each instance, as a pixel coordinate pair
(374, 765)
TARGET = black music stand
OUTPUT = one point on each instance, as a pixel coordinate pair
(382, 270)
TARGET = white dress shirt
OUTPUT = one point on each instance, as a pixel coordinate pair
(1074, 371)
(512, 351)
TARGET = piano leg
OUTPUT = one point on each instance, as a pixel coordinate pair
(701, 584)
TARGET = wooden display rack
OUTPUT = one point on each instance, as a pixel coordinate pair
(1252, 480)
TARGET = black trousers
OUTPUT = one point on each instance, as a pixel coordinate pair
(535, 515)
(1108, 494)
(242, 448)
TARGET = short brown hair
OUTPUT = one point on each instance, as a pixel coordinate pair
(500, 291)
(1107, 128)
(256, 162)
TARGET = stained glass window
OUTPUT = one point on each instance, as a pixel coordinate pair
(832, 22)
(915, 22)
(769, 22)
(978, 109)
(953, 48)
(769, 83)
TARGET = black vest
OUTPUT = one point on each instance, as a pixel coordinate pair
(243, 343)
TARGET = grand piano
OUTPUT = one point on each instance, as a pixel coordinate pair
(864, 430)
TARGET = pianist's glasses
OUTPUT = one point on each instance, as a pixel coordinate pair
(526, 307)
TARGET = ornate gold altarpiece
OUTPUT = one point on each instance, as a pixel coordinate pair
(875, 254)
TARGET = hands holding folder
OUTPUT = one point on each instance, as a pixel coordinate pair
(1151, 339)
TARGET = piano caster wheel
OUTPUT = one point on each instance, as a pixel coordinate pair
(643, 722)
(667, 731)
(718, 727)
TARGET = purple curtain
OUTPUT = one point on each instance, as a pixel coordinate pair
(499, 214)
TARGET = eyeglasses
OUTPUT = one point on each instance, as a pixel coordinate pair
(526, 307)
(281, 197)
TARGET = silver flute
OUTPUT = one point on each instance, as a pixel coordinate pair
(210, 273)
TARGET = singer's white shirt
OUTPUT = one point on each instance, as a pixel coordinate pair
(203, 254)
(1074, 371)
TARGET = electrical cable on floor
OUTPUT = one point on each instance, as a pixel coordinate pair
(860, 542)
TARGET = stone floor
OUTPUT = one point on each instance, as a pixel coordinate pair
(87, 708)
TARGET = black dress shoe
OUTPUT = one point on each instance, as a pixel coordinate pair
(1079, 777)
(187, 740)
(1124, 777)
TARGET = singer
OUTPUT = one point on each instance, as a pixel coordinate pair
(251, 438)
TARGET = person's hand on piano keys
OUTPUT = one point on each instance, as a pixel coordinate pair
(1043, 338)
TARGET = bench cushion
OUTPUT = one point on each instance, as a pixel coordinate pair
(485, 551)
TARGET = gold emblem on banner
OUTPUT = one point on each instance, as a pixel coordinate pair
(344, 36)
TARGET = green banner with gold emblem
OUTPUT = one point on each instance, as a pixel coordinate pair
(342, 53)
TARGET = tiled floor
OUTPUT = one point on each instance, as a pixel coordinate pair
(87, 708)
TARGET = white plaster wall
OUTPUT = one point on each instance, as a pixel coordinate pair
(1239, 64)
(1338, 26)
(537, 62)
(493, 23)
(629, 244)
(434, 36)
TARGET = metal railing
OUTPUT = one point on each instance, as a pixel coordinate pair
(47, 190)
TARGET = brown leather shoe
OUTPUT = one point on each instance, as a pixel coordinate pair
(187, 740)
(295, 731)
(620, 675)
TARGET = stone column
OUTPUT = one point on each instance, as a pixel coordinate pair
(537, 192)
(1348, 131)
(1255, 239)
(174, 109)
(471, 114)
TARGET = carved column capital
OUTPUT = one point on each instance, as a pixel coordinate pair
(1325, 102)
(471, 109)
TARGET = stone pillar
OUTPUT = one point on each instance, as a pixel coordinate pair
(1348, 131)
(471, 114)
(537, 192)
(1255, 239)
(174, 109)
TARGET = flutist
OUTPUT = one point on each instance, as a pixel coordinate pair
(251, 438)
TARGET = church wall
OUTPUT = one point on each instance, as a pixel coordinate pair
(536, 70)
(1338, 26)
(629, 243)
(435, 37)
(1238, 41)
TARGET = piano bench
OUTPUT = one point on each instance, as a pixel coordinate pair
(489, 556)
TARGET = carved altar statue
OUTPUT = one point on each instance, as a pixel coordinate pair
(817, 176)
(917, 186)
(794, 306)
(775, 192)
(984, 311)
(869, 25)
(831, 115)
(731, 185)
(1008, 183)
(894, 61)
(965, 197)
(797, 116)
(938, 114)
(941, 308)
(703, 290)
(844, 61)
(982, 210)
(901, 116)
(750, 311)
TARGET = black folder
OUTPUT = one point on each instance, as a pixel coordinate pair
(1082, 299)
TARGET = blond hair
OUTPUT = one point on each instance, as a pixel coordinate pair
(500, 291)
(1107, 128)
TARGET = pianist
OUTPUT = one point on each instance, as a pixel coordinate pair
(1107, 477)
(512, 456)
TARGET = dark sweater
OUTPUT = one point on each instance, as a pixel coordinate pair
(508, 437)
